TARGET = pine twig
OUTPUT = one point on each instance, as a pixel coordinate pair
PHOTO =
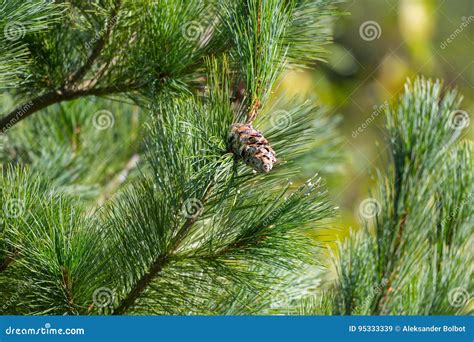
(98, 47)
(69, 90)
(141, 285)
(25, 110)
(160, 262)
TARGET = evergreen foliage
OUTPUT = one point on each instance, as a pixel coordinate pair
(120, 195)
(414, 253)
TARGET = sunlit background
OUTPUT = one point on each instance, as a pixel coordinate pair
(378, 45)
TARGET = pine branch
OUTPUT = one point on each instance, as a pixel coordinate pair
(28, 108)
(19, 19)
(378, 272)
(98, 47)
(144, 247)
(157, 266)
(271, 35)
(106, 83)
(141, 285)
(84, 147)
(57, 255)
(184, 130)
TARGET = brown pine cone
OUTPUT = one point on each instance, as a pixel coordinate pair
(251, 146)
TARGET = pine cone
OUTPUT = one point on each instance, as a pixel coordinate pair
(251, 146)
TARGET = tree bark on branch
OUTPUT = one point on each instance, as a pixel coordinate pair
(26, 109)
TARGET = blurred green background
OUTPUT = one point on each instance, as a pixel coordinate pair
(378, 44)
